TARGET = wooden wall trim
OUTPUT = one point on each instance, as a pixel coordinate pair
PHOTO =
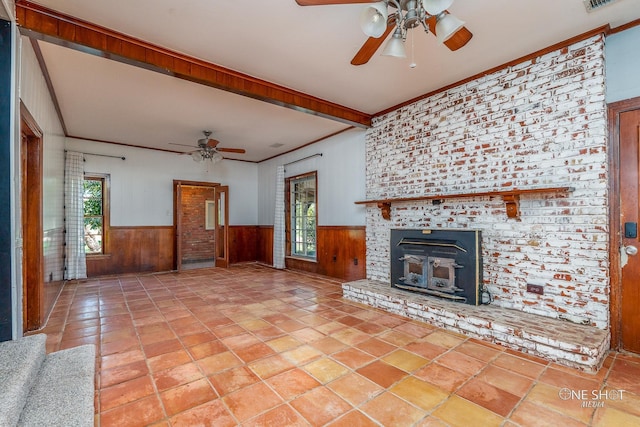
(31, 187)
(625, 27)
(49, 25)
(30, 121)
(195, 183)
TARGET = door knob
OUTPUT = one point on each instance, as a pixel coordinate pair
(631, 250)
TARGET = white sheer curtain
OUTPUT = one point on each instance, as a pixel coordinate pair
(278, 221)
(75, 259)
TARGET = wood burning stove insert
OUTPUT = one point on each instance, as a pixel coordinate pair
(442, 263)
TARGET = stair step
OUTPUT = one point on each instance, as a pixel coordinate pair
(20, 362)
(63, 394)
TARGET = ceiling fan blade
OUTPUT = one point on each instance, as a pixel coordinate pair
(371, 46)
(325, 2)
(212, 143)
(232, 150)
(457, 40)
(183, 145)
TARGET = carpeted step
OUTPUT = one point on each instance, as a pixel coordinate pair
(20, 362)
(64, 390)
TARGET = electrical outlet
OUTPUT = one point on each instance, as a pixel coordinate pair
(535, 289)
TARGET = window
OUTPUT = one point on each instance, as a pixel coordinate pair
(210, 215)
(96, 213)
(302, 218)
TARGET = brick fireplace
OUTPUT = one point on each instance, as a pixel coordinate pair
(540, 123)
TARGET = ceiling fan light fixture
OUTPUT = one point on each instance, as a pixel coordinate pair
(373, 19)
(395, 46)
(447, 25)
(436, 7)
(216, 157)
(207, 149)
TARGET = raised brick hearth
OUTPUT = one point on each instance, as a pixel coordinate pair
(569, 344)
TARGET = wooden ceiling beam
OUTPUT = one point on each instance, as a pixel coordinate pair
(45, 24)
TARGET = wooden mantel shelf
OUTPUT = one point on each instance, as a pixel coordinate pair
(510, 197)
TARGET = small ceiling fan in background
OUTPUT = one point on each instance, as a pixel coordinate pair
(382, 18)
(207, 149)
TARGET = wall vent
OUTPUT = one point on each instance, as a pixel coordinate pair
(592, 5)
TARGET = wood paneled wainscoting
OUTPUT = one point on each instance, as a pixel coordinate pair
(341, 252)
(135, 250)
(265, 244)
(243, 243)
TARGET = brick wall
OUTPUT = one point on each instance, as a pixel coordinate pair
(197, 242)
(541, 123)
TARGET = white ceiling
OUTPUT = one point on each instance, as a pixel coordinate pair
(307, 49)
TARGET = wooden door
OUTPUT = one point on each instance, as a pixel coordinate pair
(629, 217)
(222, 226)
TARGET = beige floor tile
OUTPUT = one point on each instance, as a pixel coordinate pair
(405, 360)
(422, 394)
(326, 370)
(459, 412)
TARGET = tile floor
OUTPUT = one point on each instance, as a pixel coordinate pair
(254, 346)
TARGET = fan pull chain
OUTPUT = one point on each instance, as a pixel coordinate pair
(413, 62)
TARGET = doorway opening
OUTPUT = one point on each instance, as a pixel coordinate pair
(201, 214)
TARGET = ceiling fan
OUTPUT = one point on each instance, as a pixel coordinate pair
(377, 23)
(207, 149)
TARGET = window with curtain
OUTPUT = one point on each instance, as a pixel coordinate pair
(96, 213)
(302, 218)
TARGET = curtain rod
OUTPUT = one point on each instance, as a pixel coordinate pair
(101, 155)
(304, 158)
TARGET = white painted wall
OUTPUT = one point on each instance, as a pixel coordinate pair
(7, 8)
(341, 179)
(622, 65)
(35, 96)
(32, 90)
(142, 185)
